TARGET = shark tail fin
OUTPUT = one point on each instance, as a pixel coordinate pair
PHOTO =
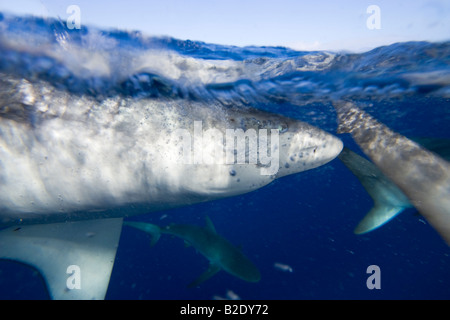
(377, 216)
(152, 229)
(389, 200)
(74, 258)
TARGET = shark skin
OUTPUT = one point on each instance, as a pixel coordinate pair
(69, 157)
(120, 157)
(389, 200)
(423, 176)
(221, 254)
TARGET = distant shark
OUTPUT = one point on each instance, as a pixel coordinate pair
(69, 159)
(221, 254)
(421, 175)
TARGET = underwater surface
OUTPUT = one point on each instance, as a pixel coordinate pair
(303, 221)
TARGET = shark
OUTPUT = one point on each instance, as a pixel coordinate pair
(389, 200)
(73, 165)
(421, 175)
(221, 254)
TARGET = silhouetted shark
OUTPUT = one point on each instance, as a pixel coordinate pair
(221, 254)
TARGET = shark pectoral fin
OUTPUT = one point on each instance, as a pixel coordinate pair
(187, 244)
(377, 216)
(212, 270)
(210, 225)
(151, 229)
(74, 258)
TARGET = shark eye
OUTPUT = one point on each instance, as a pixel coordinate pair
(282, 128)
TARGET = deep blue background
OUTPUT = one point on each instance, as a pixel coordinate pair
(305, 221)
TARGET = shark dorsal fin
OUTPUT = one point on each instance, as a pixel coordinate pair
(210, 225)
(212, 270)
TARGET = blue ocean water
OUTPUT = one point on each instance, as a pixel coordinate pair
(306, 220)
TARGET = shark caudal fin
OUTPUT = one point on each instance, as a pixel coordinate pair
(74, 258)
(388, 199)
(152, 229)
(422, 175)
(377, 216)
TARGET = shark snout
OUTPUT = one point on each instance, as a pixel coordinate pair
(332, 148)
(305, 148)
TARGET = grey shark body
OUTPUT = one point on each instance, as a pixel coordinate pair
(69, 158)
(423, 176)
(221, 254)
(65, 156)
(389, 200)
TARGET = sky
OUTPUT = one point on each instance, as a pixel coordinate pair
(298, 24)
